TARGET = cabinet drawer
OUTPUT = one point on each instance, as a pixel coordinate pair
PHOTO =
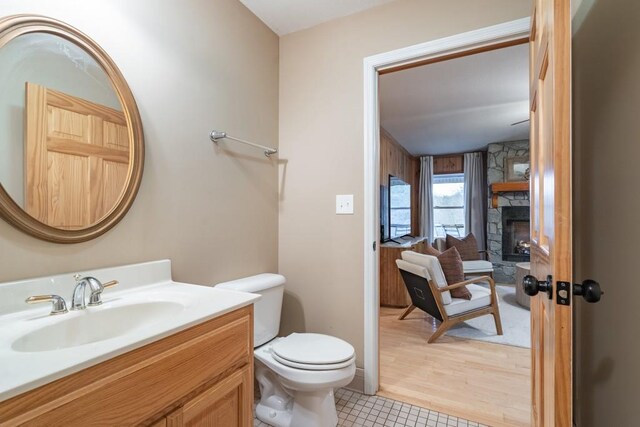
(141, 384)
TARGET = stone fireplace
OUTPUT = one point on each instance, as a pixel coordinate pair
(509, 222)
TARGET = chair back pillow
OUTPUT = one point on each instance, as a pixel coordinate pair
(454, 272)
(434, 270)
(467, 247)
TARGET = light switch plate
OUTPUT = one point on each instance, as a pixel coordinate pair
(344, 204)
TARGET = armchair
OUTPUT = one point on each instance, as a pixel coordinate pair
(430, 292)
(479, 267)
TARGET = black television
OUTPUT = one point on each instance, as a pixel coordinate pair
(384, 213)
(395, 209)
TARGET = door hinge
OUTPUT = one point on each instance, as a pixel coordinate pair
(563, 293)
(374, 246)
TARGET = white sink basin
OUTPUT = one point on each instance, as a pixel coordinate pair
(147, 305)
(95, 324)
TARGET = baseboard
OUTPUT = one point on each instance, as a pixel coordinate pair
(357, 384)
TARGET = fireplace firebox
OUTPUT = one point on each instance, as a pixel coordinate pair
(515, 233)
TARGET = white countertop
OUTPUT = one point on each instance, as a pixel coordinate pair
(141, 284)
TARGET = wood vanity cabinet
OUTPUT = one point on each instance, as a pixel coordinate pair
(200, 376)
(227, 403)
(393, 292)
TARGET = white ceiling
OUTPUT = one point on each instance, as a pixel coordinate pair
(288, 16)
(458, 105)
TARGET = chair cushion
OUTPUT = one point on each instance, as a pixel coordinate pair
(468, 246)
(478, 266)
(451, 264)
(433, 267)
(480, 297)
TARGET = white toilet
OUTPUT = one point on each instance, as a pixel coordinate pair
(297, 374)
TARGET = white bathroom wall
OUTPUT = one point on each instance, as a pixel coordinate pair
(193, 66)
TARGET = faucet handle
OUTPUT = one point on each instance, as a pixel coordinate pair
(110, 284)
(95, 297)
(58, 304)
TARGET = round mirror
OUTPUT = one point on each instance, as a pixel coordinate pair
(71, 143)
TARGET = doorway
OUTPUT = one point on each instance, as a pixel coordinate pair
(483, 40)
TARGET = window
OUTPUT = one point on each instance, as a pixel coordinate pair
(399, 207)
(448, 205)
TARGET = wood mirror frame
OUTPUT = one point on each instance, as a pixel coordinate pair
(17, 25)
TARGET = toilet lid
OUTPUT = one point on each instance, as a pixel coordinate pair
(313, 349)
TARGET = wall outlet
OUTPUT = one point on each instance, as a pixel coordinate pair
(344, 204)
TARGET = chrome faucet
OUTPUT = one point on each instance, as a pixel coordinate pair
(96, 288)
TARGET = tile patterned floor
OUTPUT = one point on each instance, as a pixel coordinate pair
(355, 409)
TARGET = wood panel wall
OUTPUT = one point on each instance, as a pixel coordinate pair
(448, 164)
(396, 161)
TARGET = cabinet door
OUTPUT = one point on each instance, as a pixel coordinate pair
(228, 403)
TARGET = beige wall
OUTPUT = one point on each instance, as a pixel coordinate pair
(321, 143)
(606, 66)
(193, 66)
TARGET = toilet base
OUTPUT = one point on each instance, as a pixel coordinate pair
(282, 407)
(274, 417)
(309, 411)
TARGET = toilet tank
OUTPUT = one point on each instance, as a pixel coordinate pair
(266, 310)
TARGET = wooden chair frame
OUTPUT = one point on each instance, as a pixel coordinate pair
(478, 274)
(448, 321)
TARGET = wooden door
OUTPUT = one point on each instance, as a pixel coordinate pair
(228, 403)
(551, 323)
(76, 158)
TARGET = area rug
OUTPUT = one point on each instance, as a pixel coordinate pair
(516, 323)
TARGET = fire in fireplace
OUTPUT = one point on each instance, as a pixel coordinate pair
(523, 247)
(515, 233)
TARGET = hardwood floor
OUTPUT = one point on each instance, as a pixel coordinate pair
(480, 381)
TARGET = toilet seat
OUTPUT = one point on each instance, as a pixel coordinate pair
(315, 352)
(312, 367)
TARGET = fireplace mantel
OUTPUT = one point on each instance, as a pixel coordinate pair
(506, 187)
